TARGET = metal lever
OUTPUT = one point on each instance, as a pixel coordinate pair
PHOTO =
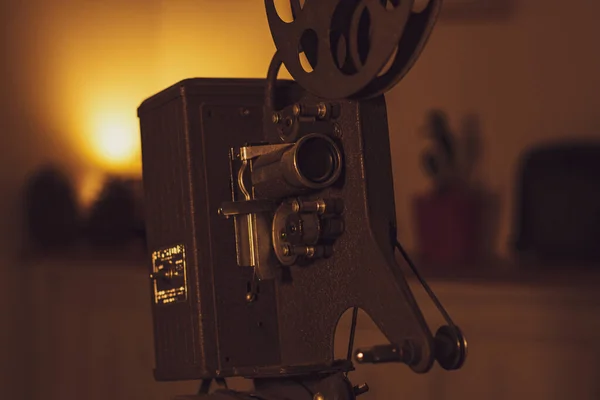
(450, 351)
(450, 343)
(383, 354)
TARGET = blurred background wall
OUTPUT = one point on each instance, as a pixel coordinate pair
(530, 77)
(74, 72)
(77, 70)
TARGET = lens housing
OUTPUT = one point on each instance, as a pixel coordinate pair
(314, 162)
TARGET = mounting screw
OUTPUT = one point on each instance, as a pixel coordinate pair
(337, 130)
(318, 396)
(250, 297)
(296, 109)
(287, 250)
(321, 110)
(276, 118)
(295, 206)
(310, 251)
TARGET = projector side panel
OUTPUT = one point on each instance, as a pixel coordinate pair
(183, 313)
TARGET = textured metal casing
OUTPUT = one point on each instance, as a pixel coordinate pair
(187, 131)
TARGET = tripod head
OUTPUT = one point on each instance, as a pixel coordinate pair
(270, 209)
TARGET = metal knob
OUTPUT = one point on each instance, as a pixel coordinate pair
(450, 347)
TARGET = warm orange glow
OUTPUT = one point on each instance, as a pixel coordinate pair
(284, 9)
(115, 138)
(102, 60)
(112, 139)
(89, 188)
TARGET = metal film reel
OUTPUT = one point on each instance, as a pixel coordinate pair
(350, 48)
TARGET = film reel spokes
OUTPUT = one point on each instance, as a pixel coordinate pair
(350, 48)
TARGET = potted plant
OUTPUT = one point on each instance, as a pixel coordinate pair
(448, 217)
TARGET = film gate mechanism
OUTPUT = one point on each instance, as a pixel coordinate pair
(270, 210)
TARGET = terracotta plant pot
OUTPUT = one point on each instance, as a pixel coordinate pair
(448, 228)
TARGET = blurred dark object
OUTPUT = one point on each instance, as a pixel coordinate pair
(52, 215)
(448, 227)
(115, 218)
(137, 191)
(440, 161)
(558, 204)
(450, 161)
(448, 220)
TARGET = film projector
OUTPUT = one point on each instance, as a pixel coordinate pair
(270, 210)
